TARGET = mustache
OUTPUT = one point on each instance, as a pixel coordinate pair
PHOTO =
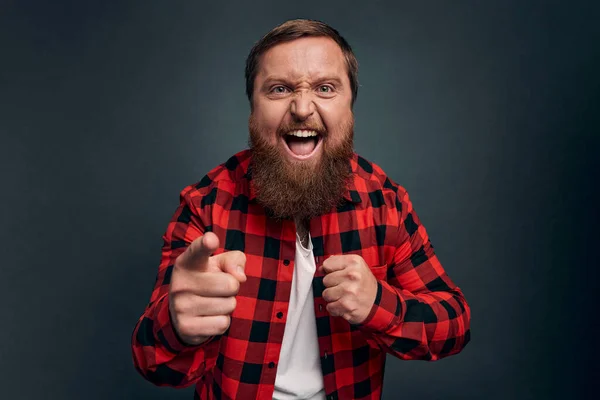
(305, 126)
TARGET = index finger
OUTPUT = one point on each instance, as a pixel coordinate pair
(197, 254)
(334, 278)
(334, 263)
(232, 262)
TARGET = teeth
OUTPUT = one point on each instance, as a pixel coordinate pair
(303, 133)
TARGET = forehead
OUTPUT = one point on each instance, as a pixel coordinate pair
(309, 56)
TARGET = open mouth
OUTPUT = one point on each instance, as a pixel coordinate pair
(302, 144)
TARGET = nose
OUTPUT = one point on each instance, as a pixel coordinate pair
(302, 106)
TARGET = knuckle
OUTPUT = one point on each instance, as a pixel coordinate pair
(346, 303)
(233, 285)
(333, 309)
(241, 256)
(222, 324)
(348, 290)
(178, 303)
(235, 256)
(226, 284)
(231, 306)
(178, 307)
(185, 327)
(353, 275)
(352, 290)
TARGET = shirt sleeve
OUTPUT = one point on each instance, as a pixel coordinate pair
(419, 313)
(159, 355)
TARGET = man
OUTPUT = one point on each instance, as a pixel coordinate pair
(291, 270)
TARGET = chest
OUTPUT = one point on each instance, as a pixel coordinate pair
(270, 245)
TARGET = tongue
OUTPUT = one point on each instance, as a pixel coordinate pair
(301, 146)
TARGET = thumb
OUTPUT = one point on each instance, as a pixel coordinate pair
(234, 263)
(197, 254)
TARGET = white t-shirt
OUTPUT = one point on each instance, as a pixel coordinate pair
(299, 374)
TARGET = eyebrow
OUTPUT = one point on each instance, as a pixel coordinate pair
(275, 79)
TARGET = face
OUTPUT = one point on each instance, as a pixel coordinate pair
(302, 97)
(301, 126)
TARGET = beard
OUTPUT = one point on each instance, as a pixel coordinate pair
(300, 189)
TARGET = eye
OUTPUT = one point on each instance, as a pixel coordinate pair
(325, 89)
(279, 89)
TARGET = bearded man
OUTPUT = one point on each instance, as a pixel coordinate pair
(291, 270)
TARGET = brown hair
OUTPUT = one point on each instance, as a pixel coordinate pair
(296, 29)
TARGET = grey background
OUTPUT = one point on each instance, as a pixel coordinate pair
(487, 112)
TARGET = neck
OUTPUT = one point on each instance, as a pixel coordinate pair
(302, 229)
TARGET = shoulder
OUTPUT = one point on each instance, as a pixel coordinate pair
(372, 181)
(230, 176)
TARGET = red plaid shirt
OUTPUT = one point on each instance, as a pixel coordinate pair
(419, 313)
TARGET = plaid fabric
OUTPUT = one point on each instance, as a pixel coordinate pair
(419, 313)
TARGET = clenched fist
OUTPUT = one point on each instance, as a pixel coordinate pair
(203, 288)
(351, 287)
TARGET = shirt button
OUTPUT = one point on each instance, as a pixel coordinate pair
(326, 355)
(320, 307)
(271, 364)
(286, 262)
(279, 315)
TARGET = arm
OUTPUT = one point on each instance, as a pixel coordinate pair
(159, 355)
(419, 313)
